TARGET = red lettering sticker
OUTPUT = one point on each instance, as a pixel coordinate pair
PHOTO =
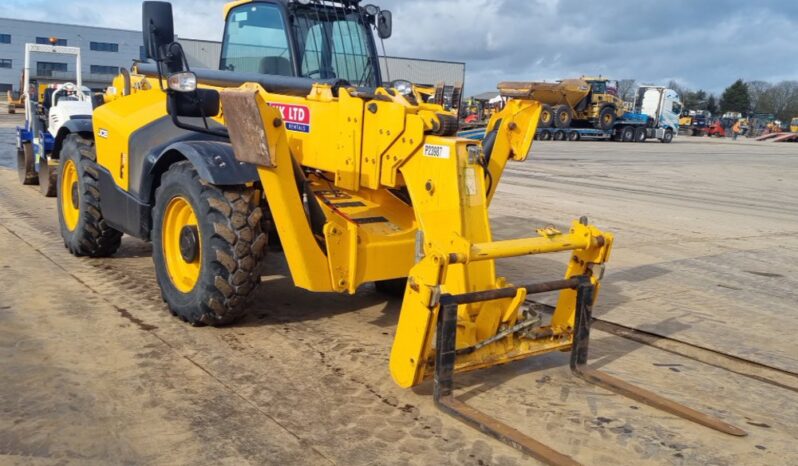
(296, 117)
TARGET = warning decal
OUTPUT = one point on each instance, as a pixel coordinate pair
(296, 117)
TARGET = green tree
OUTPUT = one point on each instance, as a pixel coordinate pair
(736, 98)
(700, 97)
(712, 105)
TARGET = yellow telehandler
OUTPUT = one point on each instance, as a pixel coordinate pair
(297, 138)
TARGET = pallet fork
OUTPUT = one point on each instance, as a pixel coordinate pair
(446, 354)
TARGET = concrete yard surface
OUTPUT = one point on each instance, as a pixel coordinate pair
(96, 371)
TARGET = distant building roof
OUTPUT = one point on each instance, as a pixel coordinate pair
(486, 95)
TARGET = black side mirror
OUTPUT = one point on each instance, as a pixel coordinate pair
(157, 28)
(202, 103)
(384, 24)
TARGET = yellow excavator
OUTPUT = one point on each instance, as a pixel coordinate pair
(297, 141)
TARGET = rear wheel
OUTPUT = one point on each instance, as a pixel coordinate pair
(546, 116)
(26, 164)
(573, 136)
(545, 135)
(48, 178)
(640, 135)
(83, 227)
(562, 116)
(208, 243)
(627, 134)
(606, 118)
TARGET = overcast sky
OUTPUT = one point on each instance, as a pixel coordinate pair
(701, 44)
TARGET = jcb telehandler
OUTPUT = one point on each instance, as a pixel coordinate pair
(296, 136)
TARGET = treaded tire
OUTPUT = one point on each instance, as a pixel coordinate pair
(232, 244)
(26, 165)
(48, 179)
(562, 116)
(640, 135)
(546, 116)
(668, 137)
(394, 288)
(92, 236)
(627, 134)
(606, 118)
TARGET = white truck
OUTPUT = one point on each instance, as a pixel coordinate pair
(47, 123)
(663, 109)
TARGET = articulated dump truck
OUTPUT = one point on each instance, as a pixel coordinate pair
(587, 101)
(359, 182)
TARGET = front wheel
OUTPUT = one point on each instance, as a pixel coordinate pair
(394, 288)
(83, 226)
(667, 138)
(606, 118)
(208, 243)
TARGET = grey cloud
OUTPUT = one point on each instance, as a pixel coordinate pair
(700, 44)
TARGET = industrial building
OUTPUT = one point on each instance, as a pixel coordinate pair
(105, 50)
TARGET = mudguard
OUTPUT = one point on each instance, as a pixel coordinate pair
(214, 161)
(79, 125)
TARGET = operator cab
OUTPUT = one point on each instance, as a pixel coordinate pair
(318, 40)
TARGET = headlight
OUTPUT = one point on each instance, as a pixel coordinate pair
(402, 87)
(183, 82)
(372, 10)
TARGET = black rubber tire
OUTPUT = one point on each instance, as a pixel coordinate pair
(48, 179)
(640, 135)
(606, 118)
(627, 134)
(574, 136)
(26, 165)
(230, 226)
(545, 135)
(546, 116)
(668, 137)
(563, 116)
(394, 288)
(92, 236)
(559, 135)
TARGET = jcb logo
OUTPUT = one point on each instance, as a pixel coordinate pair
(437, 152)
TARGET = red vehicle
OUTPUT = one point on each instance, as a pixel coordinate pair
(716, 129)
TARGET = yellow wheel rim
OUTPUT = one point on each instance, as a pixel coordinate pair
(70, 195)
(546, 116)
(607, 118)
(183, 268)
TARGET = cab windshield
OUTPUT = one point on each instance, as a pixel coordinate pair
(599, 87)
(330, 43)
(333, 44)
